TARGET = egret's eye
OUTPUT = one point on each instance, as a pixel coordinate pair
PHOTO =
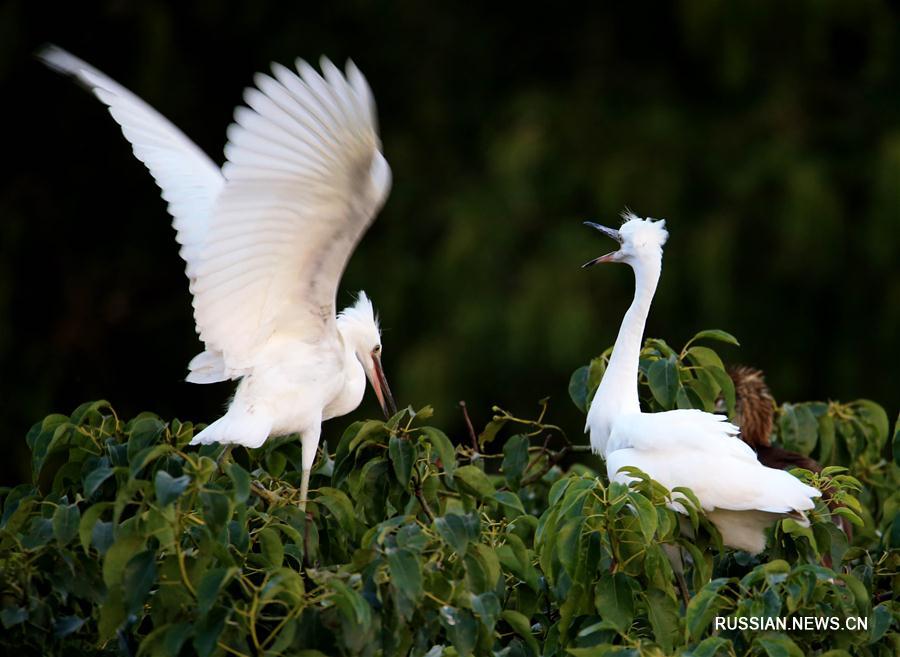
(376, 350)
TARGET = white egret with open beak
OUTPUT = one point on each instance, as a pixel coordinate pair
(685, 447)
(266, 239)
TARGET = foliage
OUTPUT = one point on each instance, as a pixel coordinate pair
(128, 542)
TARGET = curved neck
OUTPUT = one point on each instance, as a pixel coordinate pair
(618, 390)
(622, 371)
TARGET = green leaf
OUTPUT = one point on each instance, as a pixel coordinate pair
(89, 521)
(779, 645)
(881, 622)
(240, 479)
(664, 618)
(473, 481)
(568, 544)
(487, 607)
(522, 626)
(511, 501)
(138, 579)
(717, 335)
(646, 513)
(212, 583)
(456, 530)
(351, 604)
(12, 616)
(482, 567)
(663, 380)
(270, 547)
(67, 625)
(705, 357)
(340, 506)
(95, 478)
(461, 629)
(117, 557)
(860, 594)
(66, 518)
(216, 509)
(578, 387)
(207, 632)
(798, 428)
(709, 647)
(515, 458)
(826, 439)
(442, 445)
(406, 573)
(726, 387)
(703, 607)
(169, 488)
(873, 415)
(490, 431)
(402, 455)
(614, 600)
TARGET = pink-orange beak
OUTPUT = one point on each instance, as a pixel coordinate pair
(381, 388)
(615, 256)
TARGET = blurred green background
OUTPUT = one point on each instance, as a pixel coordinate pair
(766, 133)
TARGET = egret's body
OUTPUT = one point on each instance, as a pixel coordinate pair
(689, 448)
(266, 239)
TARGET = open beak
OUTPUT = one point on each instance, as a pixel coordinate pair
(382, 389)
(615, 256)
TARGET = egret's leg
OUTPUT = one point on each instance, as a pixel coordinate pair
(223, 457)
(309, 442)
(304, 487)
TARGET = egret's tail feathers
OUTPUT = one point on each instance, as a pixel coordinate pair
(236, 427)
(743, 530)
(782, 492)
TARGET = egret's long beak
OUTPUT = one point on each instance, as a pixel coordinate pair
(381, 388)
(615, 256)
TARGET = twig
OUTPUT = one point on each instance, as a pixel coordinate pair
(474, 438)
(261, 491)
(553, 459)
(417, 489)
(424, 503)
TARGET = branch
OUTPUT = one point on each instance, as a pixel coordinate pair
(472, 436)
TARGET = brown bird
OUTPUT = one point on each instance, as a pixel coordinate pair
(754, 413)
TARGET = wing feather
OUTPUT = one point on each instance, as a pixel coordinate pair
(188, 179)
(304, 179)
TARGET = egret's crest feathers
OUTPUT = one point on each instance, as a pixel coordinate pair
(643, 233)
(361, 312)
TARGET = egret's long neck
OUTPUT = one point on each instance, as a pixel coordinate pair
(618, 391)
(622, 371)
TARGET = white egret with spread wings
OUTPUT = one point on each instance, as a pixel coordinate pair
(266, 239)
(685, 447)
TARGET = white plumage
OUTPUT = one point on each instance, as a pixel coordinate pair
(266, 240)
(689, 448)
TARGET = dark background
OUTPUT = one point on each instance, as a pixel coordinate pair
(766, 133)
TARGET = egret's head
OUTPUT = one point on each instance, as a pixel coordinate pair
(358, 326)
(640, 240)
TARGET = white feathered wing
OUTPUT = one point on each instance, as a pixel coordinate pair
(266, 239)
(702, 451)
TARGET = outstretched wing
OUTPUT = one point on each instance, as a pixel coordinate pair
(188, 179)
(304, 179)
